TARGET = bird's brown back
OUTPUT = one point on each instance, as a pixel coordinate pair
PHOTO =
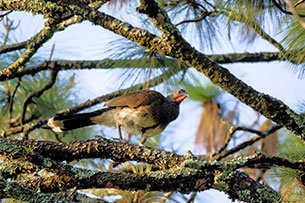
(136, 99)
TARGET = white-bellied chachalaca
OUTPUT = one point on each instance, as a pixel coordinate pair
(145, 113)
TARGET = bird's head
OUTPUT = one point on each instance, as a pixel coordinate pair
(178, 96)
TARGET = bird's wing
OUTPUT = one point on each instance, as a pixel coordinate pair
(136, 99)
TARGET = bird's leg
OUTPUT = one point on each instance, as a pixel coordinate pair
(142, 140)
(120, 139)
(120, 132)
(128, 137)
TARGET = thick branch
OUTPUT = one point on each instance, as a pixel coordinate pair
(101, 148)
(121, 152)
(13, 190)
(259, 160)
(182, 179)
(192, 175)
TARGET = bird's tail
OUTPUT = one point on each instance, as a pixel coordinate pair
(74, 121)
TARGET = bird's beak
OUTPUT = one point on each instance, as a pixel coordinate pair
(182, 97)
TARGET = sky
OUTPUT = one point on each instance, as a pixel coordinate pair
(86, 41)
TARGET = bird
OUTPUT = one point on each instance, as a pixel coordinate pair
(145, 112)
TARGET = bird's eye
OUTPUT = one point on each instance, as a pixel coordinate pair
(181, 91)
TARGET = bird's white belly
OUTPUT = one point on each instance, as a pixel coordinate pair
(132, 121)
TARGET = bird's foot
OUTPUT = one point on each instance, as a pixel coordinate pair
(120, 140)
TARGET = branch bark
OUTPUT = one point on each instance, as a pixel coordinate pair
(14, 190)
(141, 63)
(186, 176)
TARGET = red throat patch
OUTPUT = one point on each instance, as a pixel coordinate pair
(180, 98)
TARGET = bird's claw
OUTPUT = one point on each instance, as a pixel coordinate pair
(120, 140)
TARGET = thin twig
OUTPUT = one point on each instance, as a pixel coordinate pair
(230, 133)
(229, 136)
(298, 3)
(38, 93)
(5, 14)
(11, 102)
(166, 197)
(196, 19)
(12, 47)
(192, 197)
(260, 135)
(52, 52)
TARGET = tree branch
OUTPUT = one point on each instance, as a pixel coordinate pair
(12, 47)
(260, 135)
(32, 46)
(13, 190)
(192, 174)
(11, 104)
(278, 5)
(24, 128)
(259, 160)
(121, 152)
(141, 63)
(100, 148)
(203, 16)
(89, 64)
(295, 13)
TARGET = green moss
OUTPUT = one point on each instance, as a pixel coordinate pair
(263, 195)
(10, 149)
(82, 173)
(178, 172)
(268, 194)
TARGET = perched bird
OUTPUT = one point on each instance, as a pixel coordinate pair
(145, 113)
